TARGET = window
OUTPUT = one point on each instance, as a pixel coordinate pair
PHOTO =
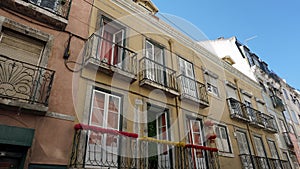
(282, 125)
(222, 139)
(260, 149)
(187, 77)
(244, 148)
(285, 94)
(287, 115)
(105, 110)
(48, 4)
(21, 47)
(212, 83)
(155, 69)
(231, 92)
(294, 117)
(273, 149)
(195, 137)
(291, 128)
(110, 48)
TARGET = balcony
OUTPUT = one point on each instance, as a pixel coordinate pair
(277, 103)
(192, 90)
(285, 164)
(158, 76)
(24, 85)
(110, 58)
(270, 123)
(53, 12)
(247, 161)
(237, 110)
(275, 163)
(256, 117)
(105, 148)
(96, 147)
(287, 139)
(261, 162)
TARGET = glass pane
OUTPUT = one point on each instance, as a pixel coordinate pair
(99, 100)
(112, 120)
(97, 117)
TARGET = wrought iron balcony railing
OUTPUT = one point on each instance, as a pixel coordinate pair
(261, 162)
(157, 73)
(58, 7)
(287, 139)
(192, 90)
(110, 56)
(25, 82)
(256, 117)
(237, 110)
(270, 123)
(201, 157)
(275, 163)
(285, 164)
(247, 161)
(96, 147)
(105, 148)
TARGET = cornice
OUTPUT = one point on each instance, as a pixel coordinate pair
(169, 30)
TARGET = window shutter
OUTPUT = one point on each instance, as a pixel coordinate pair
(224, 139)
(219, 142)
(242, 143)
(20, 47)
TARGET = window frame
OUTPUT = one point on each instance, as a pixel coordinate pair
(219, 126)
(105, 111)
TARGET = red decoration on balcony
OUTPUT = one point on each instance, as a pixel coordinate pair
(104, 130)
(211, 137)
(201, 147)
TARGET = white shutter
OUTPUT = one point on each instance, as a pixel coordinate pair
(273, 149)
(259, 147)
(218, 140)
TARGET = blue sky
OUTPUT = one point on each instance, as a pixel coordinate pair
(274, 24)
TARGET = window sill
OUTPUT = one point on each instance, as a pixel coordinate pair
(231, 155)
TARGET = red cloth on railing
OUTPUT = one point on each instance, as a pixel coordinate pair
(201, 147)
(80, 126)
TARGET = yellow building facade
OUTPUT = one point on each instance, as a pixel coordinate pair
(150, 97)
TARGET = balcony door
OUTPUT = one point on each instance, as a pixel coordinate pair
(261, 159)
(244, 148)
(105, 113)
(159, 154)
(155, 69)
(111, 43)
(188, 82)
(195, 137)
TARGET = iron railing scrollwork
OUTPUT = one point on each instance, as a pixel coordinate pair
(58, 7)
(101, 51)
(24, 81)
(192, 89)
(157, 73)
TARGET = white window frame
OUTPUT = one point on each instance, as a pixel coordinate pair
(221, 142)
(105, 113)
(188, 82)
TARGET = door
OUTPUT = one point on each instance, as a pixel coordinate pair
(105, 113)
(244, 148)
(261, 160)
(188, 82)
(195, 137)
(155, 69)
(117, 47)
(159, 154)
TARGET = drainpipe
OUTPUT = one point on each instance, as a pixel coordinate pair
(170, 42)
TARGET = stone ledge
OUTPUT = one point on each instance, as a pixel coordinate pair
(10, 104)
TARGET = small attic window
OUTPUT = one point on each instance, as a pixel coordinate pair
(229, 60)
(148, 5)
